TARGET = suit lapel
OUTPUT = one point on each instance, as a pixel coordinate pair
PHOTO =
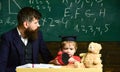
(18, 44)
(35, 50)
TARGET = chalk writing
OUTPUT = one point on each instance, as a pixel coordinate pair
(8, 21)
(1, 21)
(102, 12)
(44, 4)
(78, 27)
(88, 13)
(106, 27)
(85, 17)
(9, 6)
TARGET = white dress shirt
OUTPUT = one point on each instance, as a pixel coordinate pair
(24, 40)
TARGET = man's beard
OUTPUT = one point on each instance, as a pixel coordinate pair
(30, 34)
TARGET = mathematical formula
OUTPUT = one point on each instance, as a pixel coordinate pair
(81, 14)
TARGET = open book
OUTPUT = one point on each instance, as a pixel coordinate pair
(29, 65)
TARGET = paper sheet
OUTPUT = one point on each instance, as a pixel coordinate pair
(29, 65)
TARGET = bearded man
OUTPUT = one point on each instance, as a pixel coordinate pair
(24, 43)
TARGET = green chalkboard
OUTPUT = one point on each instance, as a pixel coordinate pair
(89, 20)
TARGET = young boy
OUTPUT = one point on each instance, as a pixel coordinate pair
(66, 54)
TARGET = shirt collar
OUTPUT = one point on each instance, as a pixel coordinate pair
(18, 32)
(25, 40)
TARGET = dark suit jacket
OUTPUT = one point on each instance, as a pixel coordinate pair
(12, 52)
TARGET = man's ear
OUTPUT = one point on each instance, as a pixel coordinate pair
(25, 24)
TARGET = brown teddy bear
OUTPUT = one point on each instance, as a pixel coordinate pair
(92, 59)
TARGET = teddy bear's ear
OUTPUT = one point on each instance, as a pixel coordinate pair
(99, 46)
(96, 44)
(100, 55)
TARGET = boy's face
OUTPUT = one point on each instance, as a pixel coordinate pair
(69, 48)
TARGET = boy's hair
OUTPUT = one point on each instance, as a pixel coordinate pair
(65, 42)
(27, 14)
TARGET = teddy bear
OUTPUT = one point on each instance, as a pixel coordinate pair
(92, 59)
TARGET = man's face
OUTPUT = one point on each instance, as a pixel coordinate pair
(34, 24)
(32, 31)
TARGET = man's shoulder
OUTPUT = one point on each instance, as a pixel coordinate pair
(9, 33)
(39, 32)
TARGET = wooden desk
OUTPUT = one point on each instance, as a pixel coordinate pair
(59, 69)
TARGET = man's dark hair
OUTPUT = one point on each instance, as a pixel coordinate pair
(27, 13)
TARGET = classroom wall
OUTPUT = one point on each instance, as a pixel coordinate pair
(89, 20)
(110, 53)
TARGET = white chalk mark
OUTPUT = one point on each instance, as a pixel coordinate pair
(87, 1)
(98, 1)
(101, 33)
(102, 12)
(91, 28)
(49, 8)
(94, 20)
(107, 28)
(98, 28)
(64, 1)
(82, 4)
(51, 22)
(67, 11)
(14, 1)
(43, 21)
(91, 4)
(77, 1)
(77, 12)
(76, 28)
(88, 14)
